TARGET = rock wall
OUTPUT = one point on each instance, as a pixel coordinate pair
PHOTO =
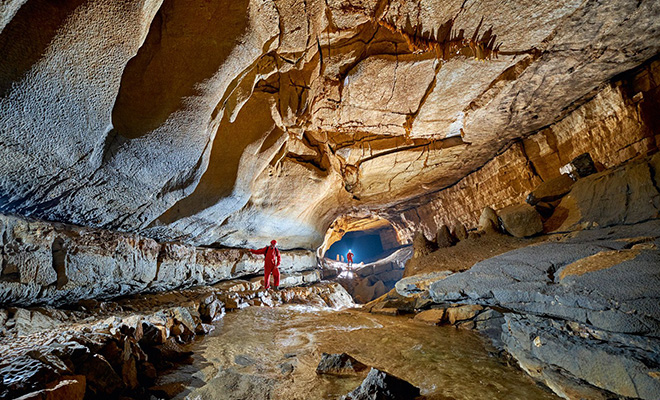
(55, 263)
(616, 125)
(580, 308)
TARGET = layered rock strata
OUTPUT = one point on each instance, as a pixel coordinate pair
(616, 125)
(585, 308)
(54, 263)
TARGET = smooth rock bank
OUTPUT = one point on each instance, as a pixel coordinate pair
(577, 309)
(583, 309)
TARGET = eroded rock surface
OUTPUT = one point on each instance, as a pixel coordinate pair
(56, 263)
(594, 295)
(149, 116)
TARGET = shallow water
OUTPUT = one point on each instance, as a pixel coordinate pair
(272, 353)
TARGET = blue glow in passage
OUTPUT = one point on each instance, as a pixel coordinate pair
(365, 248)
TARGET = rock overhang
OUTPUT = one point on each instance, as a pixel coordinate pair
(286, 115)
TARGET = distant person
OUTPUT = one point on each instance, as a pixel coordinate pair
(271, 263)
(349, 258)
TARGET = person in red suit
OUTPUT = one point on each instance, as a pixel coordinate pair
(349, 258)
(271, 263)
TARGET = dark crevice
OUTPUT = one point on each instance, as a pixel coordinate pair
(59, 262)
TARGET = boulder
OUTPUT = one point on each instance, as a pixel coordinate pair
(102, 380)
(459, 232)
(28, 322)
(551, 190)
(433, 317)
(622, 195)
(339, 364)
(462, 313)
(66, 388)
(363, 292)
(580, 167)
(488, 220)
(379, 289)
(544, 209)
(422, 246)
(521, 220)
(383, 386)
(26, 373)
(391, 276)
(444, 238)
(211, 310)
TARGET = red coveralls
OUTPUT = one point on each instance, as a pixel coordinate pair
(349, 258)
(271, 263)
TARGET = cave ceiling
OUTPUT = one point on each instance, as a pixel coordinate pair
(231, 122)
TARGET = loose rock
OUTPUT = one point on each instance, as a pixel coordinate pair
(339, 364)
(379, 385)
(521, 220)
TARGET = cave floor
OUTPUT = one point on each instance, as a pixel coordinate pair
(468, 252)
(272, 353)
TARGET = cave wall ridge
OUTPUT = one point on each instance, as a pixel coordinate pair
(51, 263)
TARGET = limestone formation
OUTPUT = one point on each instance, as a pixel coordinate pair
(145, 145)
(444, 238)
(117, 350)
(572, 300)
(151, 117)
(579, 167)
(422, 246)
(433, 317)
(56, 263)
(623, 195)
(459, 232)
(551, 190)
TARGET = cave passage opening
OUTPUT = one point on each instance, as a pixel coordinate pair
(367, 245)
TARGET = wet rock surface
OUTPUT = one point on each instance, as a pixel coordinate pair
(593, 294)
(118, 349)
(339, 364)
(287, 344)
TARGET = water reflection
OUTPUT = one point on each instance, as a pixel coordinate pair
(272, 353)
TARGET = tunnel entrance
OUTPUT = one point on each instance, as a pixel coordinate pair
(379, 258)
(366, 245)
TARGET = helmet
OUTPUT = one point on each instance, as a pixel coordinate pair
(273, 242)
